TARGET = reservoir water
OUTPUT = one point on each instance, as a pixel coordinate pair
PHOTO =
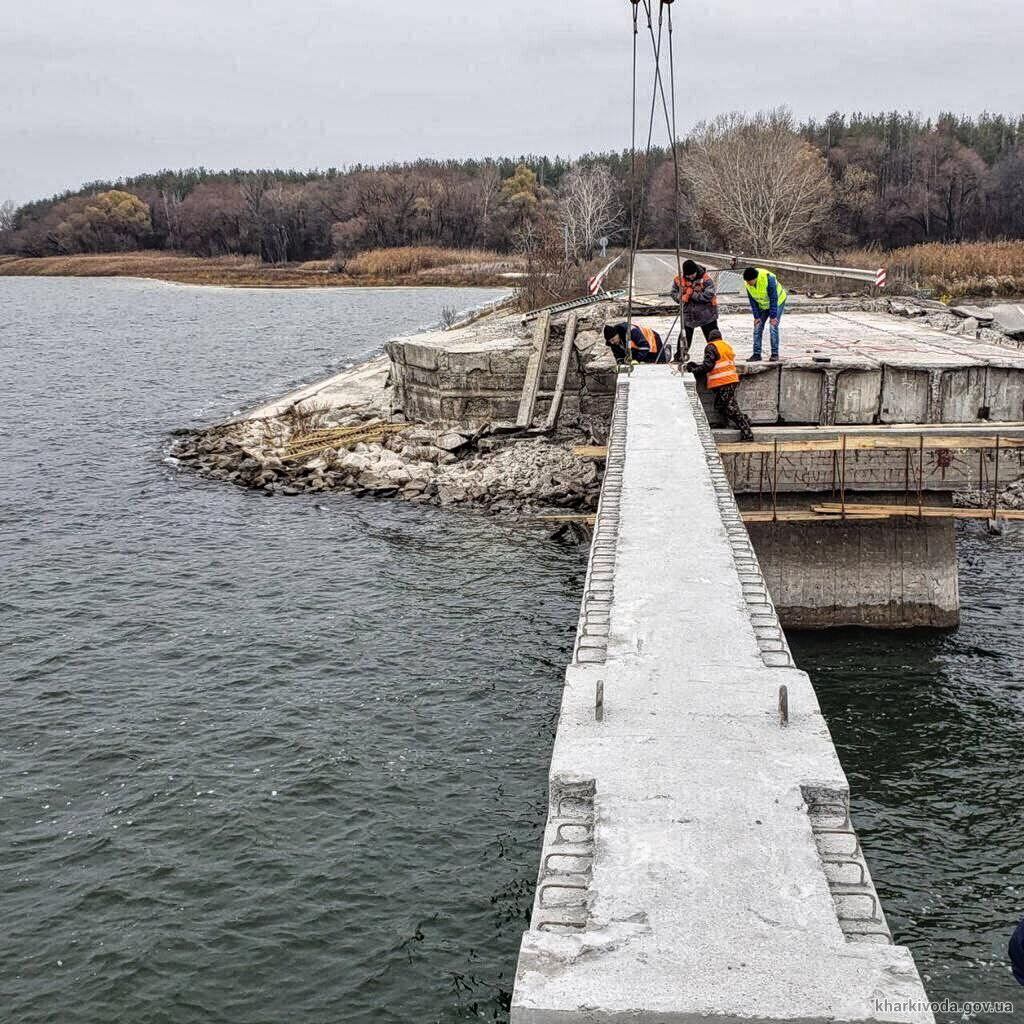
(267, 760)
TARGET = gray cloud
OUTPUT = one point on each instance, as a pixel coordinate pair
(94, 90)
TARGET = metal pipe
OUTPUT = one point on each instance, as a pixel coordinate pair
(920, 476)
(842, 480)
(995, 484)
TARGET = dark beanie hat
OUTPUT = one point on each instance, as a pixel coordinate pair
(750, 274)
(609, 332)
(1017, 953)
(690, 268)
(714, 335)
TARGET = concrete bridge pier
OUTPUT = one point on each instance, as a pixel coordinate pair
(895, 573)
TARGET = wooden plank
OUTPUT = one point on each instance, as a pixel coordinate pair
(871, 443)
(563, 371)
(534, 368)
(915, 511)
(832, 513)
(591, 451)
(799, 515)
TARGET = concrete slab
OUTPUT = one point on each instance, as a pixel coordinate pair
(681, 876)
(854, 367)
(857, 395)
(1009, 318)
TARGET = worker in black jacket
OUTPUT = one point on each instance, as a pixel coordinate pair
(718, 372)
(645, 345)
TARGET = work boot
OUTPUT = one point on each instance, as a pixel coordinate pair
(755, 357)
(775, 358)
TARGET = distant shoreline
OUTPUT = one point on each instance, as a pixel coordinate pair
(244, 272)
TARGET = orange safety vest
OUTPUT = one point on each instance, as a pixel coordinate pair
(725, 369)
(652, 340)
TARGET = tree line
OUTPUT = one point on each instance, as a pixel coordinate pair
(755, 183)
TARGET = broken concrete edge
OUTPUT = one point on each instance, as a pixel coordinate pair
(473, 371)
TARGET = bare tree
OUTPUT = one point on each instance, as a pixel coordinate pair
(758, 185)
(7, 212)
(588, 207)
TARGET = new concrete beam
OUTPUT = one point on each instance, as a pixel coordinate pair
(690, 867)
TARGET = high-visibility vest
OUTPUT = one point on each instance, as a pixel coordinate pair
(758, 290)
(724, 371)
(650, 337)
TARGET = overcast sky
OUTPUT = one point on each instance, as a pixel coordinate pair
(92, 90)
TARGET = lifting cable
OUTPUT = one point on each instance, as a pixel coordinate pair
(633, 174)
(636, 217)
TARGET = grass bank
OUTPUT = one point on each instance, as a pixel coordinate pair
(410, 266)
(950, 271)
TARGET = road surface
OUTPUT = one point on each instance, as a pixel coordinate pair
(653, 273)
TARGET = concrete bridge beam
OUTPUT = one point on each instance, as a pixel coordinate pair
(698, 859)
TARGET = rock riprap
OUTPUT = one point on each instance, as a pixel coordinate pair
(502, 474)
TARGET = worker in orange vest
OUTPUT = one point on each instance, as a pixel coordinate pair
(645, 345)
(719, 373)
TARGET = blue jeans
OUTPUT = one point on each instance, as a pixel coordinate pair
(759, 323)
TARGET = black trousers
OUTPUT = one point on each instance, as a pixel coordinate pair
(727, 406)
(688, 332)
(706, 328)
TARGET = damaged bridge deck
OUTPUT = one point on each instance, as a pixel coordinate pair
(698, 860)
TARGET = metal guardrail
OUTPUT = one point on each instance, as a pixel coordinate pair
(563, 307)
(734, 261)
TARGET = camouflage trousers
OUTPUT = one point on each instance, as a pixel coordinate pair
(727, 406)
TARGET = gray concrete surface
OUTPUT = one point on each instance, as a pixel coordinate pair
(690, 866)
(858, 368)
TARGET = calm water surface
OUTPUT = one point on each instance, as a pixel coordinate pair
(269, 760)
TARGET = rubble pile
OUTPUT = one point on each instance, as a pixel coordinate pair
(512, 475)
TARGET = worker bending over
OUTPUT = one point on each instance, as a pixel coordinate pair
(768, 303)
(645, 345)
(719, 373)
(699, 294)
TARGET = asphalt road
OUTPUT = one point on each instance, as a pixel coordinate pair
(653, 273)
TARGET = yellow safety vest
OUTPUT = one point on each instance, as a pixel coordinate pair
(758, 290)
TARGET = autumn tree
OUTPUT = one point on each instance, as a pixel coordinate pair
(759, 187)
(113, 221)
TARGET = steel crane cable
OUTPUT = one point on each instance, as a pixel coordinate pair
(670, 127)
(636, 219)
(632, 179)
(682, 354)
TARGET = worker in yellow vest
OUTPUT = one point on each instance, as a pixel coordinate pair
(719, 374)
(767, 303)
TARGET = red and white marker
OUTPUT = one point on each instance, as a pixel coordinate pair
(880, 277)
